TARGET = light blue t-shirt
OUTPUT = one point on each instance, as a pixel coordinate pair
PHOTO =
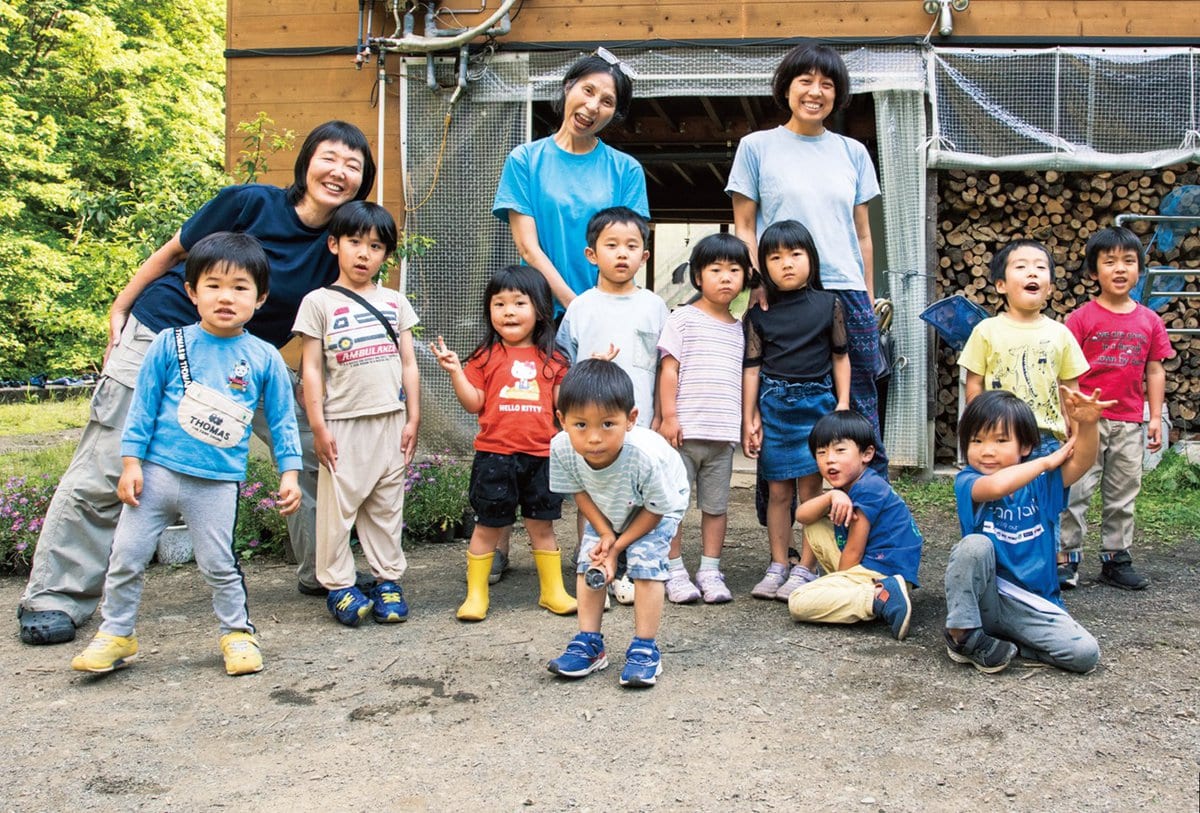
(244, 369)
(648, 473)
(817, 180)
(632, 323)
(561, 191)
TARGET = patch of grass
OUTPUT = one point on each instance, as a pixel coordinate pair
(1168, 507)
(42, 417)
(52, 460)
(923, 493)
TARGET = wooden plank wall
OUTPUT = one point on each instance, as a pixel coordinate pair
(302, 91)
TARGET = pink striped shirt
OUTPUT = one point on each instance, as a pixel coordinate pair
(709, 352)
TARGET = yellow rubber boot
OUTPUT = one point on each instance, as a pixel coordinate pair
(554, 597)
(476, 606)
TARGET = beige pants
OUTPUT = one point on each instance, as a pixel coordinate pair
(842, 596)
(366, 491)
(1118, 472)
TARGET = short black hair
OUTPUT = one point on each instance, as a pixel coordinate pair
(716, 248)
(222, 250)
(596, 382)
(999, 262)
(998, 408)
(586, 66)
(340, 132)
(810, 57)
(844, 424)
(788, 234)
(1114, 238)
(359, 218)
(611, 216)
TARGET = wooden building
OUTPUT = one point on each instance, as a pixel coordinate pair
(703, 83)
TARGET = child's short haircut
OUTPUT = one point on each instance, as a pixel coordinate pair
(1000, 260)
(717, 248)
(359, 218)
(612, 216)
(787, 235)
(806, 58)
(844, 424)
(596, 382)
(222, 250)
(1114, 238)
(998, 408)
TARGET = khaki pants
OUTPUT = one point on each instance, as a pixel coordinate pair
(76, 539)
(366, 491)
(841, 597)
(1118, 472)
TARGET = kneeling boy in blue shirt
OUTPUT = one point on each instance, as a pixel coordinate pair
(860, 532)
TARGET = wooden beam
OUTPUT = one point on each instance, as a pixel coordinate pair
(751, 119)
(662, 114)
(683, 174)
(723, 126)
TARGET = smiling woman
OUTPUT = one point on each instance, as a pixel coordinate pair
(334, 166)
(550, 188)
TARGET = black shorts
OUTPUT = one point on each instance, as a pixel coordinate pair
(501, 482)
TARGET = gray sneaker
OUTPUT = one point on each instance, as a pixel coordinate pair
(985, 653)
(499, 567)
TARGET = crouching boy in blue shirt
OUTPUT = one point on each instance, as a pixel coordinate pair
(631, 487)
(185, 445)
(860, 532)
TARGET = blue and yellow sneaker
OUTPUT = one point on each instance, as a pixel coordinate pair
(348, 605)
(388, 603)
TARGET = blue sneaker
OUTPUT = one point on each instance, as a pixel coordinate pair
(388, 603)
(643, 664)
(893, 606)
(348, 605)
(584, 655)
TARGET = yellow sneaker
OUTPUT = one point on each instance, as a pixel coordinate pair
(242, 655)
(106, 653)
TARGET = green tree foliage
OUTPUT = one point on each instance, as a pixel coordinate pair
(111, 134)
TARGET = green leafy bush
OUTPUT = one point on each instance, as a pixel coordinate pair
(260, 530)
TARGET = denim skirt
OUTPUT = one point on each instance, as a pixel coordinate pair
(789, 410)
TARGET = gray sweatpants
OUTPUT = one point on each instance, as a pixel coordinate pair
(1046, 633)
(73, 548)
(210, 509)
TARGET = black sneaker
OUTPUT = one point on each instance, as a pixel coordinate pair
(1118, 572)
(1068, 575)
(985, 653)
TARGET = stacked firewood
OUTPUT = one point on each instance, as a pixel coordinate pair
(978, 212)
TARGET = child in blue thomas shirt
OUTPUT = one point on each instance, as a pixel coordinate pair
(185, 445)
(860, 532)
(1002, 591)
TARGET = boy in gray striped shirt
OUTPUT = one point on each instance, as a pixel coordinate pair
(631, 487)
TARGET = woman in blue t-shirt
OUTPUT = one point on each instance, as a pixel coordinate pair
(551, 187)
(334, 166)
(802, 171)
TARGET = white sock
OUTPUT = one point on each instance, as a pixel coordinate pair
(676, 564)
(710, 562)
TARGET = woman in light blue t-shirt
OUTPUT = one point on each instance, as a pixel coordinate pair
(802, 171)
(551, 187)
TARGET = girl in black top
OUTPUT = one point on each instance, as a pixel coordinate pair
(795, 371)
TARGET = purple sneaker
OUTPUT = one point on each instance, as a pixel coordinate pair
(680, 589)
(712, 586)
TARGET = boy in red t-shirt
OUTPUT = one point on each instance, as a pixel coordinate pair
(1125, 343)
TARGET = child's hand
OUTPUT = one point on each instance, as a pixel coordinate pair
(669, 429)
(752, 436)
(289, 493)
(325, 447)
(129, 487)
(1154, 434)
(841, 508)
(612, 353)
(408, 440)
(446, 358)
(600, 552)
(1082, 408)
(1062, 455)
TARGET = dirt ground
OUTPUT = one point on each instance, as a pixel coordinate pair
(752, 712)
